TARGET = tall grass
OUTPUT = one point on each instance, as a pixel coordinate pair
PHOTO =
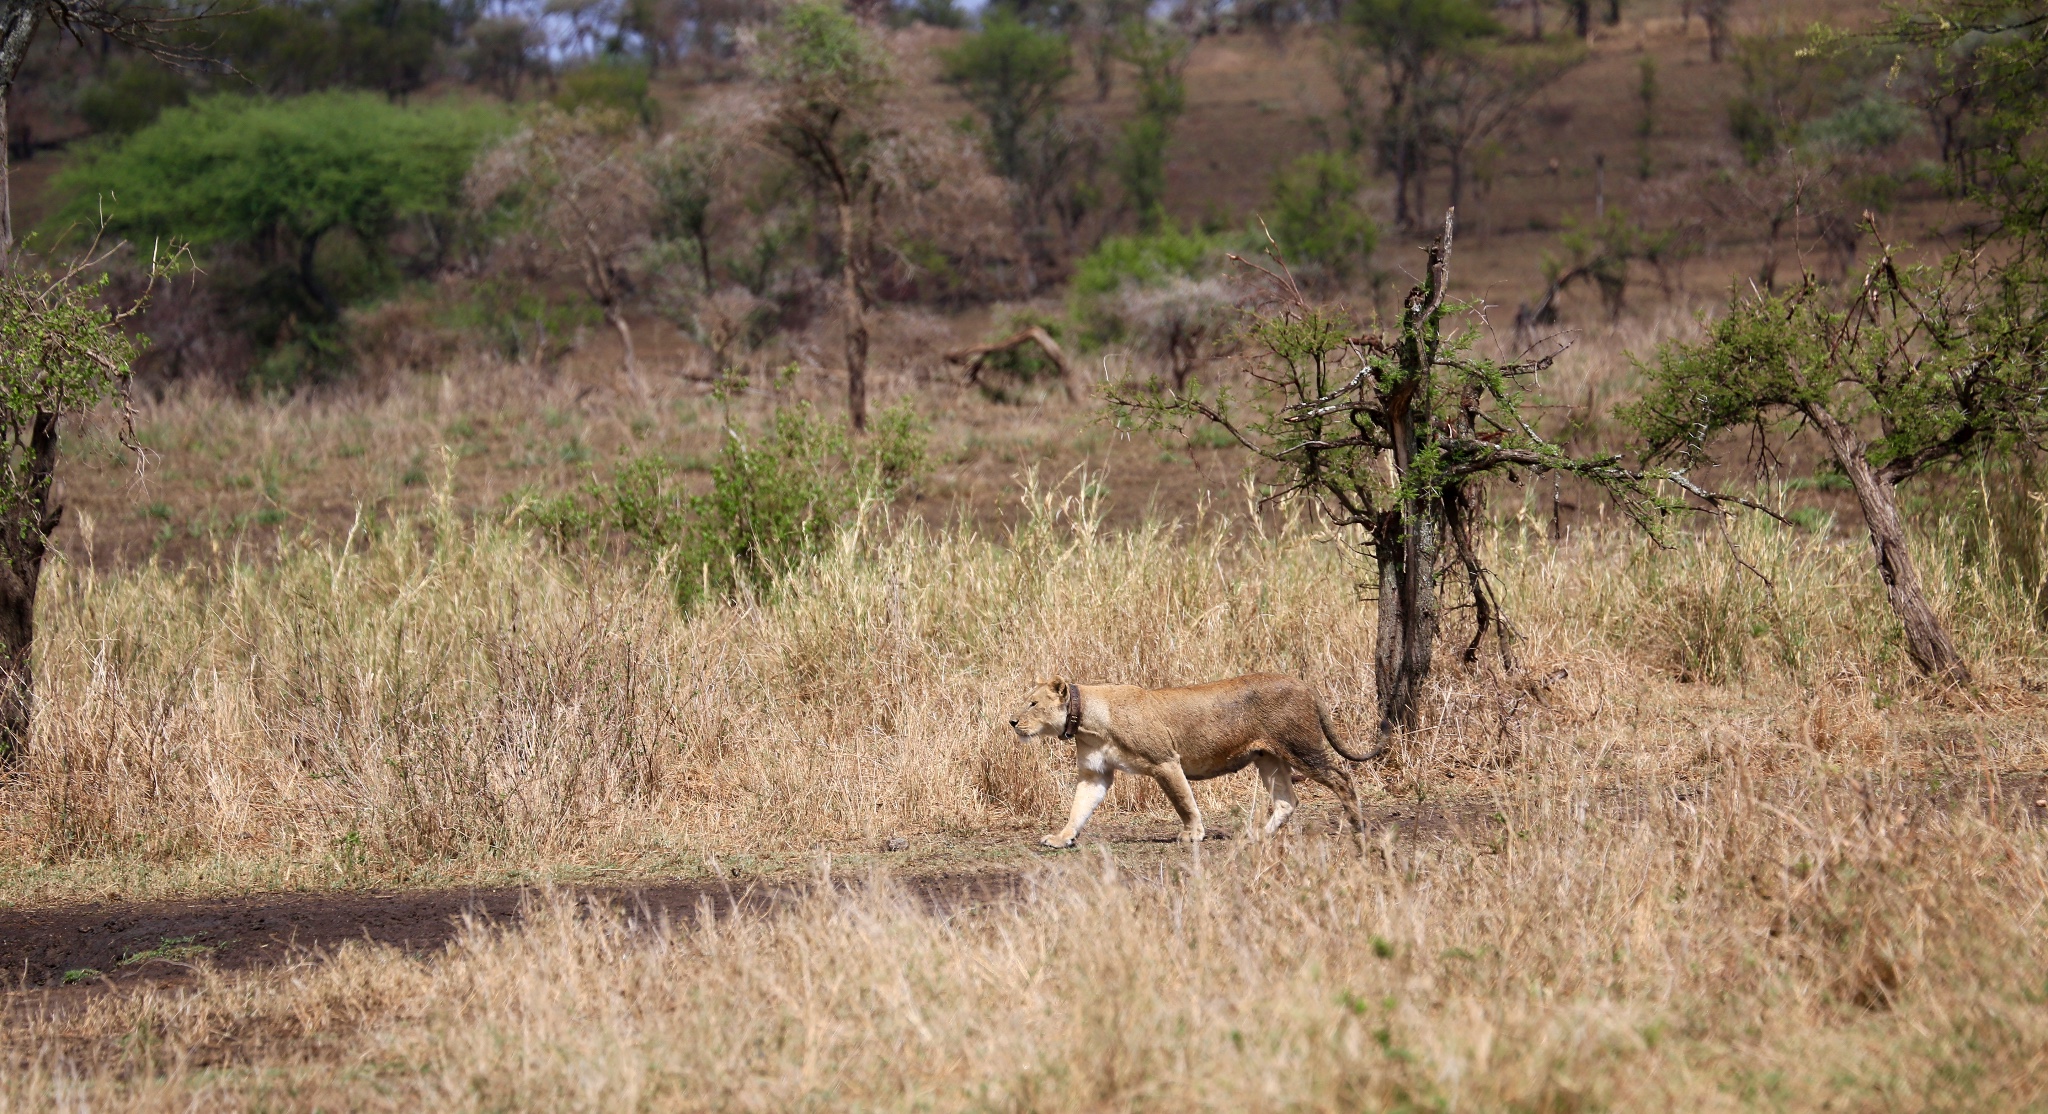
(434, 690)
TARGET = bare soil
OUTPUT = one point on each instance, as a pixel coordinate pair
(80, 947)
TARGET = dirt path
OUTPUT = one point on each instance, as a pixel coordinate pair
(91, 944)
(88, 943)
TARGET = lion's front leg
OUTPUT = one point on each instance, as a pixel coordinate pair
(1175, 781)
(1088, 793)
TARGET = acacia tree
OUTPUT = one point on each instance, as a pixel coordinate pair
(828, 77)
(63, 351)
(1157, 55)
(1412, 41)
(1331, 409)
(1939, 363)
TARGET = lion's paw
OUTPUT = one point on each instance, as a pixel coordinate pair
(1056, 842)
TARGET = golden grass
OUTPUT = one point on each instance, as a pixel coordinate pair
(1741, 856)
(432, 695)
(1796, 943)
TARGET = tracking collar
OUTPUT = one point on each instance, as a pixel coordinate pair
(1073, 723)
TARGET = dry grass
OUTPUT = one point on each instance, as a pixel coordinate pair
(1795, 943)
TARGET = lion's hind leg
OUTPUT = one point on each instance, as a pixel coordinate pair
(1278, 775)
(1336, 777)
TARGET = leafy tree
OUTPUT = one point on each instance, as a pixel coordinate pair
(278, 178)
(1158, 55)
(1318, 219)
(1411, 41)
(828, 77)
(131, 95)
(1332, 407)
(302, 46)
(1942, 363)
(1012, 73)
(1980, 67)
(63, 351)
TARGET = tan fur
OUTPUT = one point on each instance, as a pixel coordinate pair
(1179, 735)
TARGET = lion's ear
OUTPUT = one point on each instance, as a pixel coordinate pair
(1059, 687)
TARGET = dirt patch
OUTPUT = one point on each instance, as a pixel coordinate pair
(91, 944)
(95, 942)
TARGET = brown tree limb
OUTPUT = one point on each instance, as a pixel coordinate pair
(978, 355)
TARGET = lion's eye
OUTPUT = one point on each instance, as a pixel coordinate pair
(1034, 703)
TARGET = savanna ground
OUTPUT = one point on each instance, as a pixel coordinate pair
(1708, 842)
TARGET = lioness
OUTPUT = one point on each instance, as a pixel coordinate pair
(1186, 734)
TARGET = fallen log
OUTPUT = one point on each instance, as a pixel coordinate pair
(978, 355)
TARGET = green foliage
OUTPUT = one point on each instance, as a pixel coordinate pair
(823, 63)
(1411, 31)
(62, 351)
(609, 85)
(1318, 220)
(300, 46)
(772, 504)
(1011, 72)
(1978, 66)
(275, 180)
(935, 13)
(774, 500)
(130, 96)
(1143, 260)
(1939, 362)
(1157, 55)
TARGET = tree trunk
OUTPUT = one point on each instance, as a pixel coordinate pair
(1927, 640)
(1407, 619)
(856, 320)
(1406, 540)
(21, 572)
(617, 321)
(17, 26)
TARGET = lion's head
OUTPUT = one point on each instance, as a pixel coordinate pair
(1043, 711)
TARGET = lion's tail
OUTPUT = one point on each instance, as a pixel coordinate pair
(1330, 733)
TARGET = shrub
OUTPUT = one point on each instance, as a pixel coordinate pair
(1134, 261)
(609, 86)
(1317, 218)
(774, 503)
(773, 500)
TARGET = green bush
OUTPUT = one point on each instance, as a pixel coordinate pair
(772, 504)
(1317, 218)
(130, 97)
(611, 86)
(773, 500)
(1144, 260)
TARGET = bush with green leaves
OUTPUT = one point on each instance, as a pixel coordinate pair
(130, 96)
(1317, 219)
(309, 194)
(1121, 263)
(608, 85)
(774, 499)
